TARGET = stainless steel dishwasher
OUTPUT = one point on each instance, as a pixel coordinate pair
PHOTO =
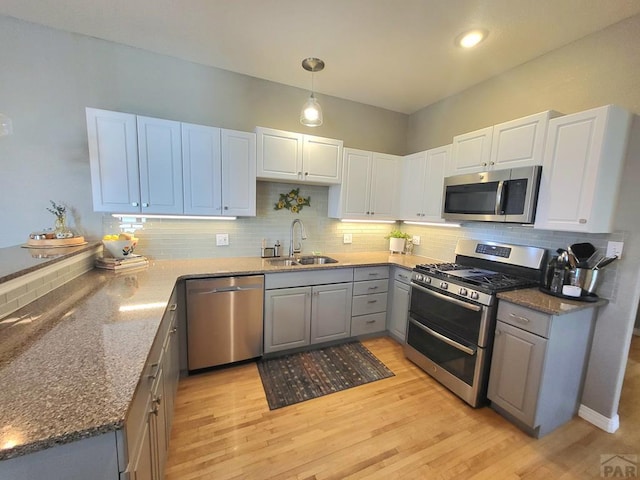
(224, 320)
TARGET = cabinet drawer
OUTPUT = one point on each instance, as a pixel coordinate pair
(370, 273)
(402, 275)
(365, 304)
(372, 323)
(370, 286)
(522, 317)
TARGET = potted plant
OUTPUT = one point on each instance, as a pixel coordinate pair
(397, 240)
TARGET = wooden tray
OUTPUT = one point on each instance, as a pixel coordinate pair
(56, 242)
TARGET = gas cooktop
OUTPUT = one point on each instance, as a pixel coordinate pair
(488, 280)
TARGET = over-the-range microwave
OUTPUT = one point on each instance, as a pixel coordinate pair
(507, 195)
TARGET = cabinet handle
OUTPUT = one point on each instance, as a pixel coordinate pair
(403, 276)
(173, 330)
(373, 288)
(373, 274)
(582, 220)
(158, 399)
(306, 174)
(519, 318)
(145, 204)
(134, 204)
(368, 213)
(492, 163)
(154, 410)
(484, 164)
(372, 301)
(373, 213)
(226, 207)
(153, 375)
(173, 307)
(370, 321)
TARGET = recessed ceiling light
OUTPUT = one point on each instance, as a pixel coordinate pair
(471, 38)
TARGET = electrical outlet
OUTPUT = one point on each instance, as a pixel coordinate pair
(222, 239)
(347, 238)
(614, 248)
(415, 240)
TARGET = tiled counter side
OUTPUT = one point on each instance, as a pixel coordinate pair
(75, 378)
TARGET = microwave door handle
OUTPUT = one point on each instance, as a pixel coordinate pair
(499, 210)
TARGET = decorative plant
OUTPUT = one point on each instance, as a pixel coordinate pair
(292, 201)
(60, 211)
(398, 234)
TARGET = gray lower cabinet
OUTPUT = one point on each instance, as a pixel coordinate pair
(399, 303)
(297, 316)
(369, 309)
(538, 366)
(144, 441)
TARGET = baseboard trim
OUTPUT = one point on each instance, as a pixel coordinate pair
(609, 425)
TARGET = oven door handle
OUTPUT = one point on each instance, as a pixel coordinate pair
(462, 303)
(445, 339)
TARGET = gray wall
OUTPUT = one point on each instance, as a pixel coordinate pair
(600, 69)
(48, 77)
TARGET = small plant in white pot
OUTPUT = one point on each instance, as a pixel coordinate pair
(397, 240)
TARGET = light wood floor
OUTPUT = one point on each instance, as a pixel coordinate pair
(407, 427)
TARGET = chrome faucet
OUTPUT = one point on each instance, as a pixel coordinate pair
(303, 236)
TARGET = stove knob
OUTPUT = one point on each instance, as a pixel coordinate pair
(427, 280)
(444, 285)
(419, 277)
(474, 295)
(463, 291)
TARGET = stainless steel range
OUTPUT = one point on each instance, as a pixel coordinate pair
(452, 311)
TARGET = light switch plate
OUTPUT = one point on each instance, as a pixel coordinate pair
(614, 248)
(347, 238)
(415, 240)
(222, 239)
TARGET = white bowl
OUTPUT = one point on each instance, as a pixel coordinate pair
(120, 248)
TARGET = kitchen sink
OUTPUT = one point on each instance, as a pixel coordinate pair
(283, 262)
(315, 260)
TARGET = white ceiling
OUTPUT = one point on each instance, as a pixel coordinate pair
(394, 54)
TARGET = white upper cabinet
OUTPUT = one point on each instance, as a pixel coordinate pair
(369, 188)
(160, 161)
(113, 154)
(238, 173)
(136, 163)
(422, 183)
(516, 143)
(294, 157)
(582, 169)
(219, 171)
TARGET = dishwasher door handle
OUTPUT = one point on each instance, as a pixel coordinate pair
(233, 288)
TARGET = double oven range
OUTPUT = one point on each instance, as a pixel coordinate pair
(452, 313)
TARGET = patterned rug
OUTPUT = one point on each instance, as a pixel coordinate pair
(302, 376)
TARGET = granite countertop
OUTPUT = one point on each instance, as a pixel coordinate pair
(71, 360)
(17, 261)
(537, 300)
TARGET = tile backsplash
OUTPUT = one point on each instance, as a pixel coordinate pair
(170, 238)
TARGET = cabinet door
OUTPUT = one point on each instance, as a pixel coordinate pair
(471, 152)
(356, 185)
(384, 187)
(113, 156)
(516, 371)
(160, 161)
(412, 187)
(279, 154)
(399, 310)
(158, 421)
(582, 169)
(141, 468)
(287, 318)
(238, 173)
(322, 160)
(172, 376)
(436, 168)
(331, 312)
(201, 164)
(520, 142)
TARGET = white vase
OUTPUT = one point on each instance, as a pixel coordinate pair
(396, 245)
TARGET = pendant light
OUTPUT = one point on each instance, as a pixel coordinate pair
(311, 113)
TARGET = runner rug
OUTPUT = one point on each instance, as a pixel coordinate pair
(302, 376)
